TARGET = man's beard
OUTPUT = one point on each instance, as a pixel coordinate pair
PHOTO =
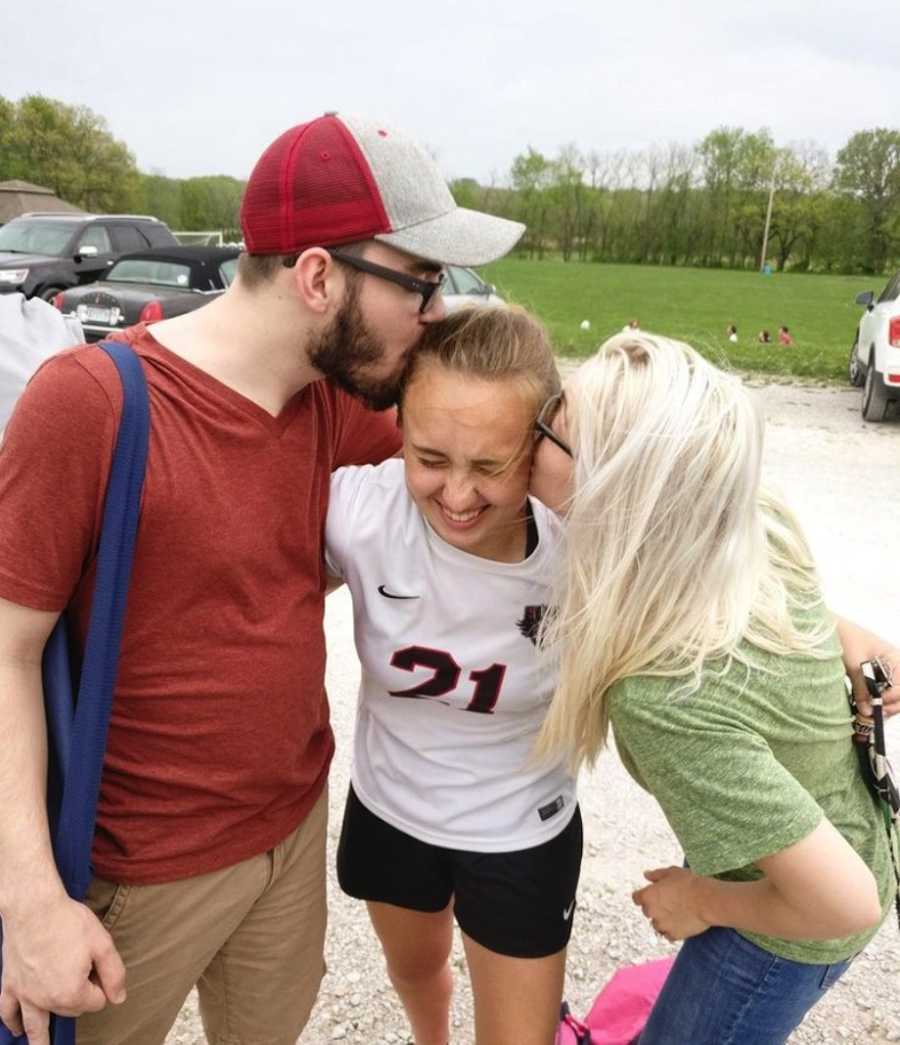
(346, 349)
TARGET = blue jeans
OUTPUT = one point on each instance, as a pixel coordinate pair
(724, 990)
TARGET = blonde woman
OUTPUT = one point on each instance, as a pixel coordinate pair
(450, 565)
(691, 621)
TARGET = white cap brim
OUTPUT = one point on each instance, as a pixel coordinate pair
(459, 237)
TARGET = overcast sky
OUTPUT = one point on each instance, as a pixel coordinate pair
(200, 87)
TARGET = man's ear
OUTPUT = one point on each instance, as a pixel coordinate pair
(318, 280)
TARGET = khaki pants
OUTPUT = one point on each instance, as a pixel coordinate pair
(250, 937)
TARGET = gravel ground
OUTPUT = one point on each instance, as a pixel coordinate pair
(842, 478)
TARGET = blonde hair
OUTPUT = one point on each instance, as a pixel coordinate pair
(495, 344)
(674, 555)
(504, 343)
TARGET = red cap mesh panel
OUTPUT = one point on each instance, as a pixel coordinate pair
(311, 187)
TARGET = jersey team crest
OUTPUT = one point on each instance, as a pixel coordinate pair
(530, 623)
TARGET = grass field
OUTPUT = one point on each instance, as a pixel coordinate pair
(694, 305)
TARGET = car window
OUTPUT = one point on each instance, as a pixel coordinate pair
(96, 236)
(158, 234)
(892, 291)
(467, 282)
(127, 239)
(36, 237)
(228, 270)
(449, 285)
(150, 270)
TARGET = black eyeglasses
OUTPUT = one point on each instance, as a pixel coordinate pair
(426, 287)
(545, 419)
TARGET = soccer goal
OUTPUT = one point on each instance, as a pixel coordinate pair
(199, 239)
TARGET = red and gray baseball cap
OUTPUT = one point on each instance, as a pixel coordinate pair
(340, 179)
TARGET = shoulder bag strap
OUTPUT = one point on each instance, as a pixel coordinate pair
(81, 786)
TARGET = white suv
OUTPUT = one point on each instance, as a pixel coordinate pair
(875, 355)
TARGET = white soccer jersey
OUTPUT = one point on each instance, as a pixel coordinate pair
(453, 692)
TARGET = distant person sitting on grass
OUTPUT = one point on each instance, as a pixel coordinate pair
(631, 326)
(764, 337)
(784, 336)
(731, 333)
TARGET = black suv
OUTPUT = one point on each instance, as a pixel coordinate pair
(43, 253)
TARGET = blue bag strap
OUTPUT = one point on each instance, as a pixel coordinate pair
(59, 708)
(99, 667)
(100, 663)
(82, 764)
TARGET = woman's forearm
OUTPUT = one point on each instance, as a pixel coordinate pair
(758, 907)
(816, 889)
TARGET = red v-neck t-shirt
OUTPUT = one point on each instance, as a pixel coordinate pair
(219, 741)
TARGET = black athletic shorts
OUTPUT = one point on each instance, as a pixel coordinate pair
(520, 904)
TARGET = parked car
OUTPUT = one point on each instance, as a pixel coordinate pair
(875, 354)
(150, 285)
(463, 287)
(43, 253)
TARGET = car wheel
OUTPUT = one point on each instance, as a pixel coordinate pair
(48, 293)
(874, 400)
(854, 368)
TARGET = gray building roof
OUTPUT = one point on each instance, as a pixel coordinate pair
(19, 197)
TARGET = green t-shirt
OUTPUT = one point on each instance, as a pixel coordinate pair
(748, 765)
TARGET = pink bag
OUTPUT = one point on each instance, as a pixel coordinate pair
(620, 1010)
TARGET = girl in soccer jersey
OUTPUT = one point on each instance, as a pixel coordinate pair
(450, 564)
(690, 619)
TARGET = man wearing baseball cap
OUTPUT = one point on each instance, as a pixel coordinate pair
(209, 849)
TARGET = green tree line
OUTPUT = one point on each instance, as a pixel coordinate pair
(704, 204)
(69, 149)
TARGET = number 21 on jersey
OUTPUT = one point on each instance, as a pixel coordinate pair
(445, 677)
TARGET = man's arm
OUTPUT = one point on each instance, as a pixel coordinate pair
(51, 944)
(858, 645)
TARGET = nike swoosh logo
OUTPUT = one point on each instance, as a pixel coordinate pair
(390, 595)
(567, 911)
